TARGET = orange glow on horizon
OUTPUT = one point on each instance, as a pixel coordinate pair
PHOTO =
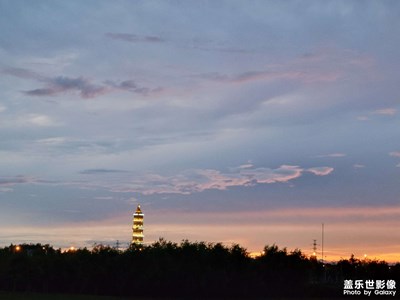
(372, 233)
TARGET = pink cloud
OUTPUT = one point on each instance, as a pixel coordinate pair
(214, 179)
(385, 111)
(199, 180)
(304, 76)
(324, 65)
(245, 166)
(320, 171)
(284, 173)
(395, 153)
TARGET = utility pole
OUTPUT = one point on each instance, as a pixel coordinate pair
(322, 243)
(323, 264)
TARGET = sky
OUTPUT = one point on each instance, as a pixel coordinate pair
(249, 122)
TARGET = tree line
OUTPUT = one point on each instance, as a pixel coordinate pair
(187, 270)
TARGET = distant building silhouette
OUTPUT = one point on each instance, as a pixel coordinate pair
(137, 227)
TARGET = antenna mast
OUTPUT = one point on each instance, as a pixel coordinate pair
(117, 245)
(315, 249)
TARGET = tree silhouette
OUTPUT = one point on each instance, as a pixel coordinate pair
(186, 270)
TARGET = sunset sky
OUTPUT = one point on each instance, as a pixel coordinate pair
(249, 122)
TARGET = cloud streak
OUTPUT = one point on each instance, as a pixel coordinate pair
(85, 87)
(332, 155)
(131, 86)
(385, 111)
(23, 73)
(62, 84)
(101, 171)
(20, 179)
(134, 38)
(257, 75)
(306, 69)
(187, 44)
(358, 166)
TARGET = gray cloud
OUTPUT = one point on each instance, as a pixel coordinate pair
(75, 146)
(84, 86)
(131, 86)
(63, 84)
(133, 38)
(101, 171)
(19, 179)
(9, 181)
(126, 85)
(338, 154)
(22, 73)
(41, 92)
(57, 85)
(187, 44)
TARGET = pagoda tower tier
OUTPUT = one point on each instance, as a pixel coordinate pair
(137, 227)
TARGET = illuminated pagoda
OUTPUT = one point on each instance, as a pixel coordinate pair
(137, 227)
